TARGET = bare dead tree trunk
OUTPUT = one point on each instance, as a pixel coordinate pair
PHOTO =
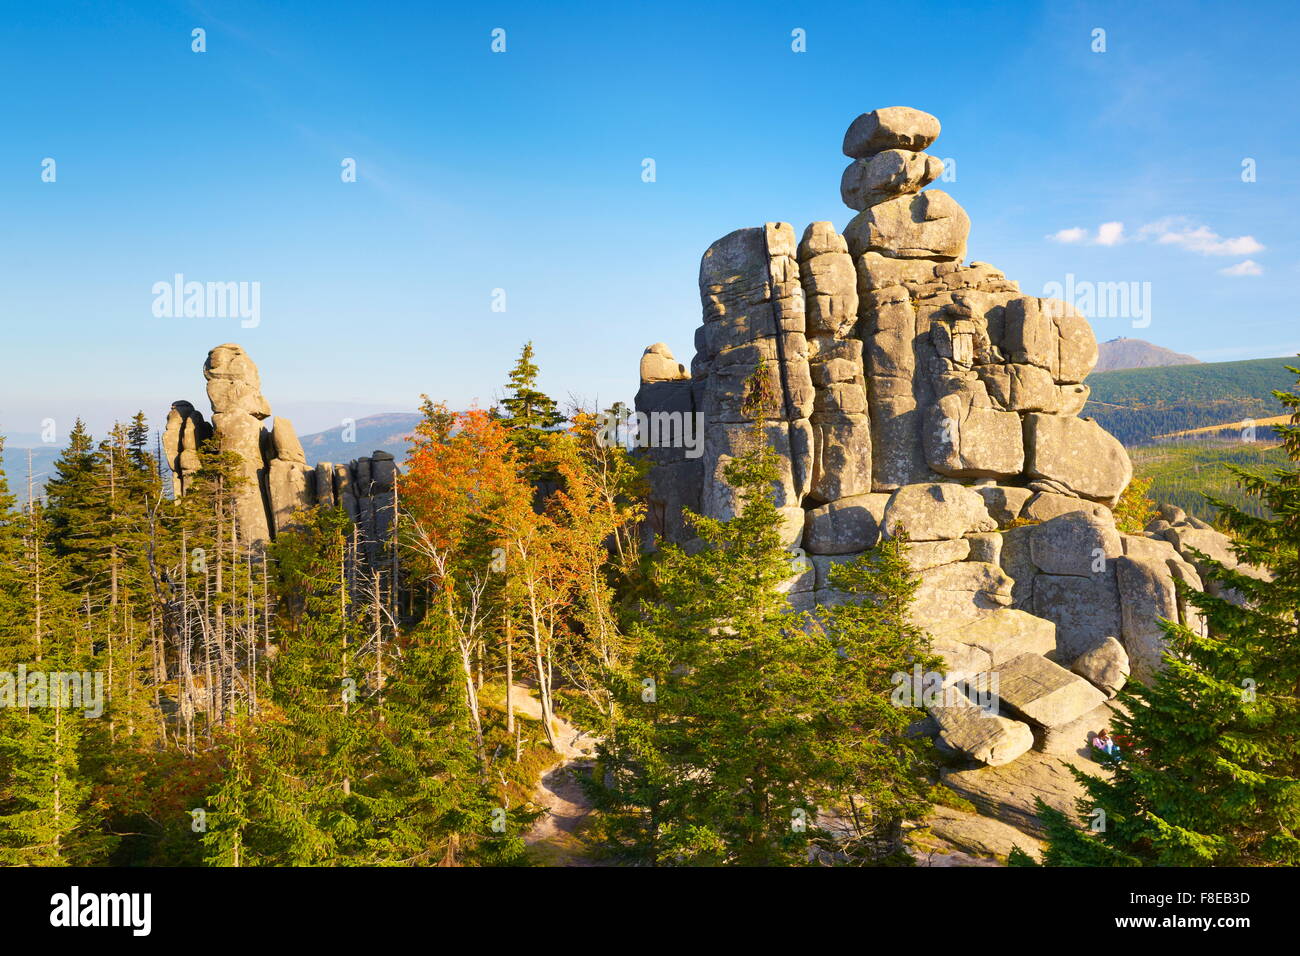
(541, 664)
(209, 687)
(510, 673)
(377, 628)
(343, 617)
(34, 534)
(393, 566)
(186, 652)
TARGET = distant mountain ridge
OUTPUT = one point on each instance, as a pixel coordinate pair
(1121, 353)
(15, 464)
(389, 431)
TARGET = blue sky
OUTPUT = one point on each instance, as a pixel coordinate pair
(522, 171)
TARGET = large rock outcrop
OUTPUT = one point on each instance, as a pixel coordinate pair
(279, 483)
(906, 389)
(886, 360)
(900, 385)
(238, 408)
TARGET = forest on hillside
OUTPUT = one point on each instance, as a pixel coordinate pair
(1136, 405)
(1188, 474)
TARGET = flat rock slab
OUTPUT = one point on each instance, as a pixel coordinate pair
(1045, 693)
(960, 660)
(1001, 636)
(982, 736)
(1007, 793)
(948, 829)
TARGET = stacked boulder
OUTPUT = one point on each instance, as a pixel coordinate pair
(754, 320)
(372, 483)
(238, 409)
(183, 435)
(908, 390)
(289, 479)
(841, 452)
(675, 476)
(365, 488)
(279, 481)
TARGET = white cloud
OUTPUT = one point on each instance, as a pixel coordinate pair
(1073, 234)
(1176, 231)
(1110, 234)
(1196, 238)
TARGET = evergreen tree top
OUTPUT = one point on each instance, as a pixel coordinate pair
(526, 407)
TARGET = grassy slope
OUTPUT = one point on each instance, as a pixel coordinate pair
(1183, 471)
(1157, 401)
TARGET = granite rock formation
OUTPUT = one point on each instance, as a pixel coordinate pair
(280, 483)
(907, 388)
(184, 433)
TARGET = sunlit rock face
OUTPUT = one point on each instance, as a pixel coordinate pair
(906, 388)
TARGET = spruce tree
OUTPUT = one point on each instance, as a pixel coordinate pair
(45, 816)
(45, 813)
(740, 720)
(75, 511)
(138, 441)
(528, 412)
(881, 768)
(232, 836)
(430, 803)
(320, 747)
(1211, 776)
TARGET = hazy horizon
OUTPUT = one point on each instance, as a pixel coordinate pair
(522, 171)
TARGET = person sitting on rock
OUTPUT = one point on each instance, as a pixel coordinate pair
(1106, 743)
(1123, 743)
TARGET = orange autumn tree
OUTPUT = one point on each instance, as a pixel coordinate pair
(493, 553)
(596, 513)
(461, 487)
(540, 585)
(565, 556)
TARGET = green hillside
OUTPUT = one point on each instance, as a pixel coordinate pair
(1184, 472)
(1135, 405)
